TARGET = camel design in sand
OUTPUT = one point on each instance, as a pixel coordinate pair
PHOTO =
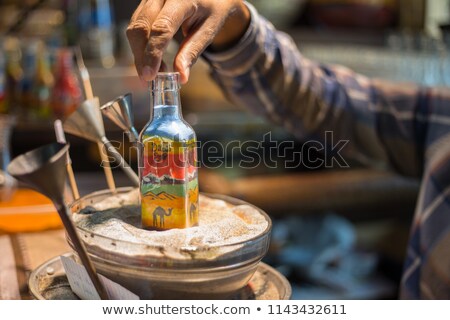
(192, 211)
(161, 213)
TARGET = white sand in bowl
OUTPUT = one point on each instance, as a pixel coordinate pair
(220, 224)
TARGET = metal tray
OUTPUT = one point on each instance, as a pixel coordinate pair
(49, 282)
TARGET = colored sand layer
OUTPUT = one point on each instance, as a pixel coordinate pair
(169, 186)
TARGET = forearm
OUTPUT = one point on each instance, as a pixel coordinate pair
(266, 73)
(234, 28)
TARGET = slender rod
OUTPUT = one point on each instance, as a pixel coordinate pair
(135, 134)
(72, 181)
(108, 171)
(64, 213)
(123, 164)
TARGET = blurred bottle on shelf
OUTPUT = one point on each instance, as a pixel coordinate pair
(66, 93)
(3, 105)
(14, 75)
(97, 31)
(29, 70)
(70, 29)
(7, 183)
(42, 85)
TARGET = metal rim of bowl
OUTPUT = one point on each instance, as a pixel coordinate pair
(33, 279)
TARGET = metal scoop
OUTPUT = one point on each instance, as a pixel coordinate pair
(86, 122)
(44, 169)
(120, 112)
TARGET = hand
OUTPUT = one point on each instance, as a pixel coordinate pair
(219, 23)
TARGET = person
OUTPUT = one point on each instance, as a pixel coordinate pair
(404, 127)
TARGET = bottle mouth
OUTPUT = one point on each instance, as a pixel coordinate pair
(166, 81)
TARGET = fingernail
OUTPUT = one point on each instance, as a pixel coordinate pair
(187, 72)
(146, 73)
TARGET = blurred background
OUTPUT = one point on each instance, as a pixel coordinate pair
(338, 233)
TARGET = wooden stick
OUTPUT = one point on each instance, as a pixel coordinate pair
(61, 138)
(84, 74)
(72, 182)
(106, 168)
(89, 93)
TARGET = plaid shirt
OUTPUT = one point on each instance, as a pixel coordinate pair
(403, 127)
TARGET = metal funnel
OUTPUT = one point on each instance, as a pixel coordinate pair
(44, 170)
(86, 122)
(120, 111)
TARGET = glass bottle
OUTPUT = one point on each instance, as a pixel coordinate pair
(7, 183)
(66, 94)
(43, 84)
(96, 31)
(3, 105)
(14, 76)
(168, 155)
(29, 70)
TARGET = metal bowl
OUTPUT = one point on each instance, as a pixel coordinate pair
(49, 281)
(166, 276)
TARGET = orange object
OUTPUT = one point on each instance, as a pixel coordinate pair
(28, 211)
(66, 94)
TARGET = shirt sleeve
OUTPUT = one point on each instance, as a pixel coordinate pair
(384, 124)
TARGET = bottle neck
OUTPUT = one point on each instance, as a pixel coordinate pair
(165, 98)
(166, 104)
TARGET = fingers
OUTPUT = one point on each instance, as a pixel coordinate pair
(139, 28)
(156, 22)
(163, 67)
(194, 44)
(163, 29)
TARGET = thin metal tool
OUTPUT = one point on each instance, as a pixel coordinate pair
(84, 122)
(89, 93)
(44, 170)
(120, 111)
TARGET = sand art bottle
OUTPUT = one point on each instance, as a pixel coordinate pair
(168, 155)
(66, 94)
